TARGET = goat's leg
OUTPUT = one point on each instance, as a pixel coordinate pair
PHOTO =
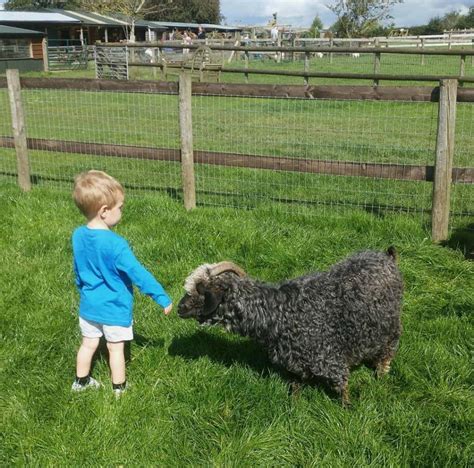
(382, 366)
(338, 379)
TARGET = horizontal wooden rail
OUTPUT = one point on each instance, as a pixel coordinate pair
(305, 74)
(379, 93)
(344, 168)
(336, 49)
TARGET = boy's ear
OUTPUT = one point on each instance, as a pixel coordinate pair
(102, 210)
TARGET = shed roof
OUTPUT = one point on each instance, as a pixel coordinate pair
(9, 31)
(35, 17)
(208, 26)
(56, 16)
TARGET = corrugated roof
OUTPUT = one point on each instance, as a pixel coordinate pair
(35, 17)
(216, 27)
(94, 19)
(11, 31)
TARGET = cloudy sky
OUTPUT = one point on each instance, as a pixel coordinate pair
(302, 12)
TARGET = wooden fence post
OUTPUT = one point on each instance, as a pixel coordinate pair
(376, 62)
(246, 65)
(462, 67)
(19, 130)
(306, 67)
(444, 160)
(44, 48)
(422, 48)
(186, 132)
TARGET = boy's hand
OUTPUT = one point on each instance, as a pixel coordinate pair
(167, 310)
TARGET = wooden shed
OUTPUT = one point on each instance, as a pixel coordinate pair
(21, 48)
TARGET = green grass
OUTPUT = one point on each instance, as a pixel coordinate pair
(203, 397)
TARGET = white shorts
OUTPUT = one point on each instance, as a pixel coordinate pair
(112, 333)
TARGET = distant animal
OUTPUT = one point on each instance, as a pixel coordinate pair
(319, 54)
(355, 55)
(318, 326)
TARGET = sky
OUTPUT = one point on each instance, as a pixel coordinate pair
(300, 13)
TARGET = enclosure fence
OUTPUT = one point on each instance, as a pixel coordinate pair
(308, 63)
(308, 149)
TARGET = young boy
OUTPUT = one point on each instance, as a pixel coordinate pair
(105, 269)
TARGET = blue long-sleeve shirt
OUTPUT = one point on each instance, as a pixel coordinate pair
(105, 269)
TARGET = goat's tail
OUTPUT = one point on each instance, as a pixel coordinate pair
(392, 252)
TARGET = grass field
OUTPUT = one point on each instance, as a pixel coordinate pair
(202, 397)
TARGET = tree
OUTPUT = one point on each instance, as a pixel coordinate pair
(467, 21)
(133, 10)
(357, 18)
(38, 4)
(451, 20)
(316, 26)
(190, 11)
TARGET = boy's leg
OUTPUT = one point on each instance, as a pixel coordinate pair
(85, 355)
(117, 361)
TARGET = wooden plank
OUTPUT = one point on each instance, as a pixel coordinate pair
(339, 50)
(186, 135)
(444, 160)
(345, 168)
(390, 93)
(19, 130)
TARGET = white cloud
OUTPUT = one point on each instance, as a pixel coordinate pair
(302, 12)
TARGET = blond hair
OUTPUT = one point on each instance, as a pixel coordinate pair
(94, 189)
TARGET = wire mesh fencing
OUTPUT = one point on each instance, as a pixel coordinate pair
(311, 156)
(272, 134)
(70, 131)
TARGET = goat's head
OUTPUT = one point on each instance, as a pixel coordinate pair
(205, 289)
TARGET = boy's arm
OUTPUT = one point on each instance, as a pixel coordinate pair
(77, 279)
(141, 277)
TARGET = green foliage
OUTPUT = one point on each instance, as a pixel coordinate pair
(38, 4)
(451, 20)
(358, 18)
(316, 26)
(193, 11)
(202, 397)
(467, 21)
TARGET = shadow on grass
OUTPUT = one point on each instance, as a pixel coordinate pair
(462, 239)
(247, 353)
(221, 350)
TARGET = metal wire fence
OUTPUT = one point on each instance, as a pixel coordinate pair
(149, 60)
(248, 150)
(360, 132)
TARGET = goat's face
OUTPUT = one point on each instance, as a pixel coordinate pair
(205, 291)
(203, 304)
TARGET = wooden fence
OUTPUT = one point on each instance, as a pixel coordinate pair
(441, 174)
(305, 53)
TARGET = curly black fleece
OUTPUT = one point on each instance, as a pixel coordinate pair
(317, 326)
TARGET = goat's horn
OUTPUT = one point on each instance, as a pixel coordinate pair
(222, 267)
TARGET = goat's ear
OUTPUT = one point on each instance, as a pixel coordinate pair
(200, 289)
(211, 301)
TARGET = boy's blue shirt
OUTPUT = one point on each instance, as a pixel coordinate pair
(105, 269)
